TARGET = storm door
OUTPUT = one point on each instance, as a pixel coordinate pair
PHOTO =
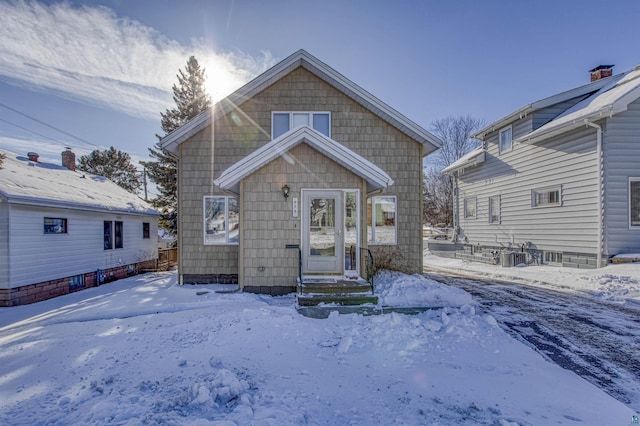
(322, 232)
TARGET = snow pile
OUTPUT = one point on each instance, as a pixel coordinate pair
(615, 283)
(144, 350)
(401, 290)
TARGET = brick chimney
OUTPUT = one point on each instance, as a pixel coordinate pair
(601, 71)
(33, 156)
(69, 159)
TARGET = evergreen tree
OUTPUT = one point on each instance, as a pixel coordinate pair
(2, 157)
(113, 164)
(191, 99)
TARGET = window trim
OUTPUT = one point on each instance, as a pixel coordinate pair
(291, 113)
(65, 225)
(475, 207)
(499, 220)
(547, 190)
(631, 225)
(226, 215)
(373, 241)
(146, 230)
(500, 132)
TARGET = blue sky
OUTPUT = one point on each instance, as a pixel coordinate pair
(102, 71)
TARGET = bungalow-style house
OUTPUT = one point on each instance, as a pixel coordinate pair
(63, 230)
(557, 181)
(298, 173)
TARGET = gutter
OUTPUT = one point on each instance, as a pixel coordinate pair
(600, 187)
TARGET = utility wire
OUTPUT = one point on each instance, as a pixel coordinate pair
(48, 125)
(35, 133)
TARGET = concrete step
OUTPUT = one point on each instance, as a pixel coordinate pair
(337, 287)
(352, 299)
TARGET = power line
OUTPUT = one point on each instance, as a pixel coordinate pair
(48, 125)
(35, 133)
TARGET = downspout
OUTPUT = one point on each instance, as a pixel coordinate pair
(600, 187)
(456, 209)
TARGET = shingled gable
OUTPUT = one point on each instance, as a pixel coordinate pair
(376, 178)
(303, 59)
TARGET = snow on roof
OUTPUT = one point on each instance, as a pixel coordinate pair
(376, 177)
(609, 100)
(470, 159)
(45, 184)
(303, 59)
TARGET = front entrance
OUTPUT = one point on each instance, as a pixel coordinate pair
(322, 232)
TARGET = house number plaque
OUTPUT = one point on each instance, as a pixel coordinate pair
(295, 206)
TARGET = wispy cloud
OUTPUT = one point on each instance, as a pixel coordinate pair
(92, 55)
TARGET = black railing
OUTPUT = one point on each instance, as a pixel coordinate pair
(366, 265)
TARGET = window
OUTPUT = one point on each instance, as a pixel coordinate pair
(282, 122)
(145, 230)
(382, 220)
(119, 237)
(505, 140)
(108, 235)
(546, 197)
(470, 207)
(221, 220)
(634, 202)
(76, 282)
(553, 258)
(494, 209)
(55, 225)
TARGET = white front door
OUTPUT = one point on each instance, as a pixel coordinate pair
(322, 232)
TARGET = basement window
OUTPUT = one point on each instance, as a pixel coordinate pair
(553, 258)
(634, 203)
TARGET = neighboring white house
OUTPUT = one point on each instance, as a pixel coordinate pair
(62, 230)
(557, 180)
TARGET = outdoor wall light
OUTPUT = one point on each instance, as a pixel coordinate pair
(285, 191)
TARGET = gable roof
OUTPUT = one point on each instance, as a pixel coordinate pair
(611, 99)
(471, 159)
(50, 185)
(376, 177)
(303, 59)
(544, 103)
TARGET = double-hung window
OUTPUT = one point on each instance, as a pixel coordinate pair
(145, 230)
(113, 234)
(547, 197)
(382, 221)
(506, 142)
(221, 220)
(494, 209)
(470, 207)
(634, 202)
(282, 122)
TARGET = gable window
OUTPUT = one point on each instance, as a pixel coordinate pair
(55, 225)
(108, 235)
(470, 207)
(145, 230)
(505, 140)
(634, 202)
(282, 122)
(381, 219)
(221, 220)
(547, 197)
(494, 209)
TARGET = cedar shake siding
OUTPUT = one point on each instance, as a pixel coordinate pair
(247, 128)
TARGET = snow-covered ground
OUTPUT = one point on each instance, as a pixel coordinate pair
(614, 283)
(146, 351)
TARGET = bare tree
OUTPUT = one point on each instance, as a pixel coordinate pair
(455, 133)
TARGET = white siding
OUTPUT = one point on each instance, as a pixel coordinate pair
(4, 243)
(622, 160)
(36, 257)
(569, 161)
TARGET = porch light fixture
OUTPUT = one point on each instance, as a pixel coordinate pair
(285, 191)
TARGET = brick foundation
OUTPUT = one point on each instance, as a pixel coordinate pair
(49, 289)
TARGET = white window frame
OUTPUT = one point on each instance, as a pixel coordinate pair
(371, 237)
(291, 113)
(504, 129)
(499, 207)
(631, 225)
(547, 190)
(226, 221)
(466, 203)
